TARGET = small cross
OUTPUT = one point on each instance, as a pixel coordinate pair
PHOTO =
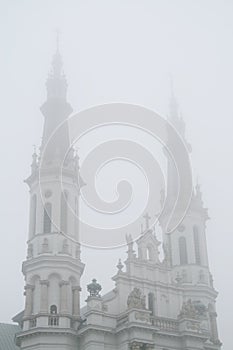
(147, 218)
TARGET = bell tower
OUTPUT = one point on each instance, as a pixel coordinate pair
(185, 247)
(53, 267)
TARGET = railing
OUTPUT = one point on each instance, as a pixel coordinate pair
(53, 321)
(165, 324)
(162, 323)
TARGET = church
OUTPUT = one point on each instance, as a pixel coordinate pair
(166, 304)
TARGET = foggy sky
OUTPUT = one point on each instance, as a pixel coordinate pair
(120, 51)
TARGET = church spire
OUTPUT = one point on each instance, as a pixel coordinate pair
(175, 116)
(56, 82)
(56, 110)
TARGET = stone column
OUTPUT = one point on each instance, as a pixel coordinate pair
(44, 296)
(29, 299)
(213, 326)
(76, 300)
(63, 298)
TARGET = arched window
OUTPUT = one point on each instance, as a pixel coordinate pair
(197, 245)
(53, 309)
(47, 217)
(53, 318)
(151, 304)
(63, 215)
(33, 215)
(183, 251)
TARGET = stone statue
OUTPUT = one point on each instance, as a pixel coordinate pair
(201, 309)
(136, 300)
(188, 310)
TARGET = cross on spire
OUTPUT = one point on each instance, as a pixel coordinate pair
(147, 219)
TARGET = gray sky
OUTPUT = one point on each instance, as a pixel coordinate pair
(119, 51)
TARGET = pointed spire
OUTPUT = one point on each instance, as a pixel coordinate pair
(175, 115)
(56, 82)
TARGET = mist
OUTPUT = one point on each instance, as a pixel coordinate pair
(118, 51)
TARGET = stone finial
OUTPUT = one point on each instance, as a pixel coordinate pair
(147, 220)
(94, 288)
(120, 266)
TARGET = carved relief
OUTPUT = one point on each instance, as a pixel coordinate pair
(193, 309)
(188, 310)
(136, 299)
(142, 316)
(140, 346)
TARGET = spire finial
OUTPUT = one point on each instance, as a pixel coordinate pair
(147, 219)
(56, 83)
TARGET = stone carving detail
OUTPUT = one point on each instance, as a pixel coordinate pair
(194, 326)
(142, 316)
(200, 308)
(188, 310)
(140, 346)
(192, 309)
(94, 288)
(136, 300)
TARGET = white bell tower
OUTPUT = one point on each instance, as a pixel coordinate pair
(186, 248)
(53, 267)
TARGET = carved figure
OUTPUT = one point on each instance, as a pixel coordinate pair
(136, 299)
